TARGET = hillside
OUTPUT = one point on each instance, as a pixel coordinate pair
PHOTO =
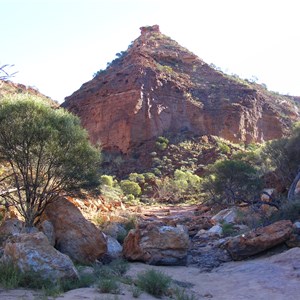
(157, 86)
(9, 88)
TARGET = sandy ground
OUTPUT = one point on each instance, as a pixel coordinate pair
(275, 278)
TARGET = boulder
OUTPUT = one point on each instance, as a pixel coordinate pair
(157, 245)
(75, 236)
(114, 248)
(32, 252)
(216, 229)
(10, 227)
(207, 251)
(258, 240)
(47, 228)
(227, 215)
(294, 239)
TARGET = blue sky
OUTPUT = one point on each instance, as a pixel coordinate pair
(57, 45)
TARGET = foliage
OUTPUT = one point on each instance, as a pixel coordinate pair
(136, 291)
(130, 187)
(162, 143)
(108, 285)
(110, 275)
(223, 147)
(181, 294)
(46, 152)
(153, 282)
(232, 182)
(107, 180)
(184, 185)
(227, 229)
(10, 276)
(287, 211)
(115, 269)
(283, 156)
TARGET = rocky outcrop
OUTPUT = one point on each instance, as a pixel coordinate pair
(74, 235)
(10, 227)
(11, 88)
(157, 245)
(157, 86)
(32, 252)
(256, 241)
(47, 228)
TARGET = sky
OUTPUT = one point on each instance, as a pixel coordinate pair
(57, 45)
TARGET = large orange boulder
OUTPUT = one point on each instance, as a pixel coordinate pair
(74, 235)
(256, 241)
(157, 245)
(33, 252)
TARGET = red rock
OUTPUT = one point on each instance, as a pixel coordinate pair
(258, 240)
(75, 236)
(158, 86)
(32, 252)
(159, 245)
(9, 227)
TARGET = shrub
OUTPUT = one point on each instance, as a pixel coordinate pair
(136, 291)
(233, 182)
(10, 276)
(130, 187)
(139, 178)
(108, 285)
(227, 229)
(161, 143)
(154, 282)
(115, 269)
(181, 294)
(287, 211)
(107, 180)
(224, 148)
(130, 198)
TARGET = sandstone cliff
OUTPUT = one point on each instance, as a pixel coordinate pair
(157, 86)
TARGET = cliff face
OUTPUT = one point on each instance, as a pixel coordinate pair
(157, 86)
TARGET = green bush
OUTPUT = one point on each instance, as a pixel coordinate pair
(154, 282)
(161, 143)
(136, 291)
(115, 269)
(107, 180)
(138, 178)
(227, 229)
(108, 285)
(232, 182)
(130, 187)
(224, 148)
(10, 276)
(181, 294)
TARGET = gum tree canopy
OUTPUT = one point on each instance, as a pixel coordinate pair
(42, 152)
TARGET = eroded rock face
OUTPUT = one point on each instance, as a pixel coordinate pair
(10, 227)
(157, 245)
(32, 252)
(74, 235)
(258, 240)
(158, 86)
